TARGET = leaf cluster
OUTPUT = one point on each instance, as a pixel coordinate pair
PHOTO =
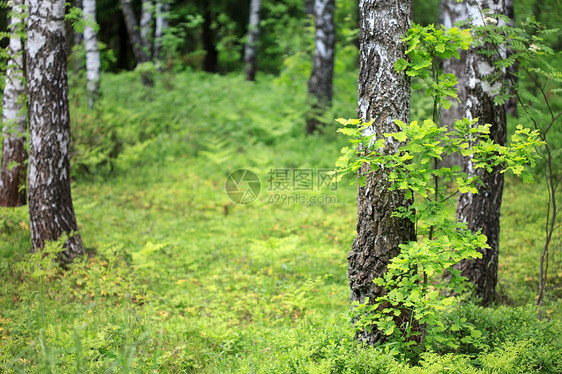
(426, 47)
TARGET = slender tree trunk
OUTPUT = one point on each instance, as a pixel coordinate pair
(146, 26)
(77, 36)
(14, 118)
(92, 54)
(210, 64)
(134, 36)
(511, 104)
(309, 7)
(162, 12)
(482, 211)
(51, 212)
(321, 76)
(451, 13)
(308, 12)
(251, 50)
(384, 96)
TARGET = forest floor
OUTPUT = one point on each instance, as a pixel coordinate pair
(179, 278)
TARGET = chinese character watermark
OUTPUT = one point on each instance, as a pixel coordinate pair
(285, 185)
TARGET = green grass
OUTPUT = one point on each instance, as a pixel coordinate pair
(180, 279)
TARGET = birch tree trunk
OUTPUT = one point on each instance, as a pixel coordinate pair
(14, 118)
(384, 95)
(146, 26)
(162, 12)
(482, 211)
(321, 76)
(135, 37)
(92, 54)
(132, 29)
(251, 50)
(451, 13)
(51, 212)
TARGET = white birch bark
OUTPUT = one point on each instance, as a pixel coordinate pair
(251, 49)
(14, 117)
(92, 53)
(162, 13)
(51, 213)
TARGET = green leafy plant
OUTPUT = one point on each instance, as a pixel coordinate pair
(421, 282)
(79, 22)
(525, 53)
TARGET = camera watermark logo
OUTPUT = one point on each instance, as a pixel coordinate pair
(286, 186)
(243, 186)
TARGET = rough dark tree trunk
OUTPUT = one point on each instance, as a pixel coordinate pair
(384, 96)
(321, 76)
(51, 212)
(251, 50)
(210, 64)
(139, 51)
(14, 119)
(482, 211)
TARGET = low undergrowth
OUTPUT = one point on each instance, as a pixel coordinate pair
(178, 278)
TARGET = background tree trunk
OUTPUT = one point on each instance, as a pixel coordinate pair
(77, 36)
(146, 26)
(482, 211)
(51, 212)
(134, 36)
(162, 13)
(92, 54)
(210, 64)
(309, 7)
(511, 104)
(384, 95)
(132, 29)
(321, 76)
(251, 50)
(14, 118)
(451, 13)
